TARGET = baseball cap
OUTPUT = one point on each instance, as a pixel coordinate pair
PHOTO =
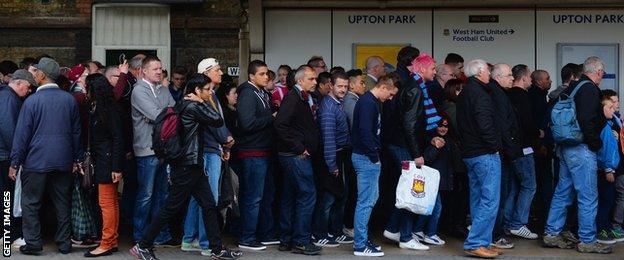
(75, 72)
(206, 64)
(24, 75)
(49, 67)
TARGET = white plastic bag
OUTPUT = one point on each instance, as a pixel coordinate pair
(417, 189)
(17, 196)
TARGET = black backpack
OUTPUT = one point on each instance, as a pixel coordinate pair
(166, 142)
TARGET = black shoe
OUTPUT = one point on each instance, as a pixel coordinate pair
(284, 247)
(226, 254)
(169, 244)
(105, 253)
(255, 245)
(309, 249)
(27, 250)
(64, 250)
(142, 253)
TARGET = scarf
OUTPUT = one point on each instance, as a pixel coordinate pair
(431, 114)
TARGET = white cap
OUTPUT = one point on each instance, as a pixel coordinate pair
(206, 64)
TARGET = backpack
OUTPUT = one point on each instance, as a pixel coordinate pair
(563, 122)
(165, 139)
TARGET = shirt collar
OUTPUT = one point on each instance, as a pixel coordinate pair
(355, 95)
(150, 84)
(47, 86)
(335, 99)
(257, 88)
(373, 77)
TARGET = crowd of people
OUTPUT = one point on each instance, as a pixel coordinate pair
(298, 158)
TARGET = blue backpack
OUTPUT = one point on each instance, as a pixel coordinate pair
(563, 123)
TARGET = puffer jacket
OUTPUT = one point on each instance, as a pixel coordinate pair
(193, 118)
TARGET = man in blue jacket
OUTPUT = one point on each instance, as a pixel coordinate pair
(47, 147)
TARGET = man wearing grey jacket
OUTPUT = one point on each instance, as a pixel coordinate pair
(149, 98)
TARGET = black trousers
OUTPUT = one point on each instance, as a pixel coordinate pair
(7, 184)
(187, 181)
(58, 186)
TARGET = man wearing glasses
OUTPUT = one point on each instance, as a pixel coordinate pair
(318, 64)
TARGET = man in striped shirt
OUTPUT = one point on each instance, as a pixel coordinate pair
(336, 146)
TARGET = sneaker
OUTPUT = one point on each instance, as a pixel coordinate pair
(367, 251)
(557, 241)
(226, 254)
(283, 247)
(414, 245)
(344, 239)
(373, 245)
(28, 250)
(270, 241)
(567, 235)
(87, 243)
(434, 240)
(481, 252)
(420, 236)
(191, 247)
(605, 237)
(348, 231)
(255, 246)
(392, 236)
(326, 242)
(617, 235)
(502, 243)
(142, 253)
(523, 232)
(594, 248)
(309, 249)
(168, 244)
(206, 252)
(18, 243)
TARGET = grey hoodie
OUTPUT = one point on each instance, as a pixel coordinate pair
(147, 103)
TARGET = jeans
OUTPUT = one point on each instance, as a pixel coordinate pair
(298, 200)
(151, 195)
(401, 220)
(107, 198)
(606, 199)
(484, 174)
(546, 179)
(330, 213)
(521, 193)
(194, 223)
(368, 193)
(256, 197)
(187, 181)
(429, 224)
(577, 171)
(505, 185)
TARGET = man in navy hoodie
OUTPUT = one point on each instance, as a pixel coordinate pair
(47, 147)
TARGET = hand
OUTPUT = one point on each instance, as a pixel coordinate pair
(12, 173)
(225, 156)
(610, 177)
(420, 161)
(438, 142)
(229, 143)
(123, 68)
(335, 173)
(304, 155)
(193, 97)
(116, 177)
(541, 133)
(165, 83)
(77, 167)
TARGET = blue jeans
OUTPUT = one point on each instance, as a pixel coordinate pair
(484, 174)
(577, 172)
(151, 196)
(298, 200)
(523, 186)
(194, 222)
(256, 197)
(368, 193)
(401, 220)
(429, 224)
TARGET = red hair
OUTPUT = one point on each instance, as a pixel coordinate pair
(423, 61)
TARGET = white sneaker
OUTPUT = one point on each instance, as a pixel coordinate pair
(524, 232)
(348, 232)
(392, 236)
(414, 245)
(434, 240)
(419, 236)
(18, 242)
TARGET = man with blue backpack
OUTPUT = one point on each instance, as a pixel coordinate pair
(576, 123)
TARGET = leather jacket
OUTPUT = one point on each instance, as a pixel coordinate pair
(193, 117)
(411, 128)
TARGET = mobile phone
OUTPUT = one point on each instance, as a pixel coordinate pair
(122, 58)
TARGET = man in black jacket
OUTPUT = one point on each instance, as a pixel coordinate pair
(298, 140)
(578, 166)
(481, 139)
(188, 176)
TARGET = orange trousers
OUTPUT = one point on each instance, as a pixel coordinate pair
(110, 215)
